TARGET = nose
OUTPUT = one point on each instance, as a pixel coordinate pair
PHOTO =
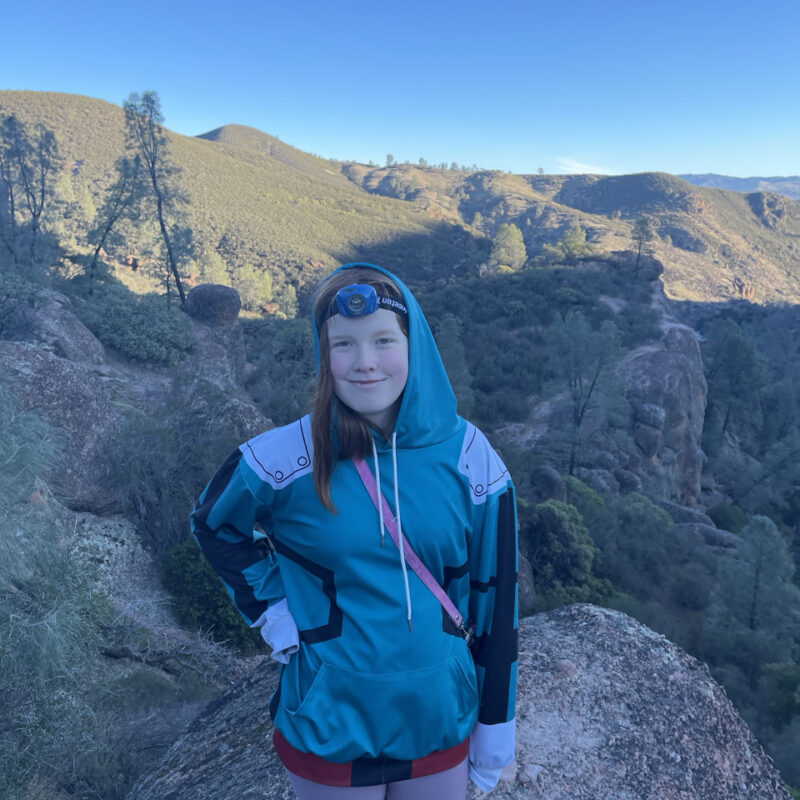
(365, 359)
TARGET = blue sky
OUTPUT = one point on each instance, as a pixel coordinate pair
(565, 85)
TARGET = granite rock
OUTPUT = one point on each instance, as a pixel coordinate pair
(606, 710)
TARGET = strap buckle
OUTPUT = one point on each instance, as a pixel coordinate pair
(467, 633)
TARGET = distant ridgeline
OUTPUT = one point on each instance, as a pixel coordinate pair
(789, 186)
(270, 219)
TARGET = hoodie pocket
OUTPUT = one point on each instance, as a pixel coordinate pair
(405, 715)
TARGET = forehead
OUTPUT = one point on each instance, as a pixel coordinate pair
(380, 321)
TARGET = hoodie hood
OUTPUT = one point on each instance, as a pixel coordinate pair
(427, 412)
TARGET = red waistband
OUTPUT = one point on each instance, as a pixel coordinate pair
(365, 771)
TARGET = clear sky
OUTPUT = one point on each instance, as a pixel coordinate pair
(614, 86)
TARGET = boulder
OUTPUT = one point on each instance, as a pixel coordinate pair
(47, 319)
(711, 535)
(213, 304)
(78, 400)
(606, 710)
(682, 514)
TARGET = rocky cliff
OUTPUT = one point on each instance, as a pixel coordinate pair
(606, 709)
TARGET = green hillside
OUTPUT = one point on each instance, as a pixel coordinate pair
(267, 209)
(715, 244)
(278, 209)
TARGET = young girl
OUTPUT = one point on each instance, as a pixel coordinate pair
(398, 677)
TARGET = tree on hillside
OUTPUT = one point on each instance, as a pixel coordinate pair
(583, 360)
(29, 161)
(451, 349)
(389, 160)
(571, 245)
(753, 618)
(561, 552)
(145, 135)
(736, 372)
(508, 247)
(642, 234)
(121, 199)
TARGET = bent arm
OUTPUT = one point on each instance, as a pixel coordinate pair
(493, 608)
(223, 523)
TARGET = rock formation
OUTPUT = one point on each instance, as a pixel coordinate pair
(213, 304)
(607, 710)
(57, 367)
(653, 446)
(666, 390)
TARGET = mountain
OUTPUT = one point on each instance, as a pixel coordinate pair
(715, 244)
(790, 186)
(263, 204)
(266, 206)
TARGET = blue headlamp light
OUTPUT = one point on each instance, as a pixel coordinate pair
(357, 300)
(361, 299)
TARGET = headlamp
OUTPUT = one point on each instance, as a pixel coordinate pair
(361, 299)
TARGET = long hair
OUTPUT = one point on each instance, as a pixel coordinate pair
(353, 437)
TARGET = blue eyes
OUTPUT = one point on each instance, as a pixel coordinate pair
(383, 341)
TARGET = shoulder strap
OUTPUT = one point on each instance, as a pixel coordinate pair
(412, 559)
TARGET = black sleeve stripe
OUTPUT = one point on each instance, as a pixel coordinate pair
(230, 560)
(215, 489)
(496, 651)
(482, 586)
(333, 628)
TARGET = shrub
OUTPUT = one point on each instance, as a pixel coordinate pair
(200, 599)
(143, 328)
(728, 517)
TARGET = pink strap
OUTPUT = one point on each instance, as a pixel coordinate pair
(412, 559)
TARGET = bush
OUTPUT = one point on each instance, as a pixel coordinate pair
(200, 599)
(143, 328)
(728, 517)
(48, 616)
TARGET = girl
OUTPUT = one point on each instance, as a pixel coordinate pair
(399, 651)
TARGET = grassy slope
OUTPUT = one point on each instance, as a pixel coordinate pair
(725, 244)
(286, 209)
(295, 214)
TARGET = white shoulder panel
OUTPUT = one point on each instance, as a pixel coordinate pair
(485, 471)
(281, 455)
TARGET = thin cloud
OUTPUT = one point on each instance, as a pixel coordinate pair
(571, 166)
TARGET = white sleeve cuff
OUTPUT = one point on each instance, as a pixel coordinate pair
(279, 631)
(491, 748)
(484, 777)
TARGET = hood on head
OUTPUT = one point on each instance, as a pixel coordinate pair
(428, 410)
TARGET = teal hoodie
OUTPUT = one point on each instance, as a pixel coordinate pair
(363, 684)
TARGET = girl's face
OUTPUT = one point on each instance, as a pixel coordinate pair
(369, 364)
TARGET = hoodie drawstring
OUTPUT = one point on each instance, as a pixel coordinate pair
(397, 515)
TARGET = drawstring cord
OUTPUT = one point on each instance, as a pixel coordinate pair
(399, 523)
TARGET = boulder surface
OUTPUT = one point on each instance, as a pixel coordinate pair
(606, 709)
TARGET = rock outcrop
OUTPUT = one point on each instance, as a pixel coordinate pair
(78, 400)
(54, 365)
(607, 710)
(48, 320)
(647, 440)
(666, 390)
